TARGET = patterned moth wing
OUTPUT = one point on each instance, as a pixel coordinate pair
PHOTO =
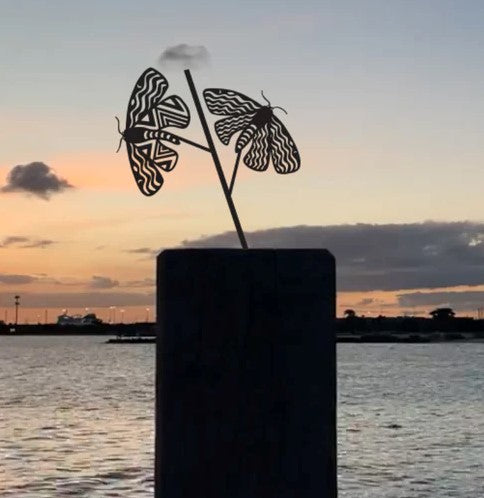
(257, 158)
(258, 125)
(147, 116)
(239, 108)
(283, 150)
(229, 103)
(148, 177)
(147, 92)
(171, 111)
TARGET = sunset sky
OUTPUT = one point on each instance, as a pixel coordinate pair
(385, 101)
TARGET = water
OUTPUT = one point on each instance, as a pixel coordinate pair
(76, 419)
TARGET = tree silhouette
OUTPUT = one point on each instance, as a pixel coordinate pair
(349, 313)
(442, 313)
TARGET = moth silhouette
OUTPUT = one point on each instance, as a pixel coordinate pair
(148, 114)
(257, 124)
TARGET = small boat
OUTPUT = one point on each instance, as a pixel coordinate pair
(131, 340)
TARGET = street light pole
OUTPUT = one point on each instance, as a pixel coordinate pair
(17, 304)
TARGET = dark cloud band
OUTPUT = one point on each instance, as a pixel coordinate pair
(383, 257)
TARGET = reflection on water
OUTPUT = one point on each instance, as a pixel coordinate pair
(76, 419)
(411, 420)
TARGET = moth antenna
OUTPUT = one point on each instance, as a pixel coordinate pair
(277, 107)
(119, 146)
(264, 97)
(119, 125)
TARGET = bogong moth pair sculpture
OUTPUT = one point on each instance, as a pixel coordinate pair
(262, 136)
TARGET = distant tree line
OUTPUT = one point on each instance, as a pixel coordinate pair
(441, 320)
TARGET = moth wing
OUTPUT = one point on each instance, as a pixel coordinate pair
(147, 176)
(283, 150)
(225, 128)
(172, 111)
(147, 159)
(164, 157)
(228, 102)
(148, 90)
(257, 158)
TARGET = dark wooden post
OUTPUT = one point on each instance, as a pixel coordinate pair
(246, 374)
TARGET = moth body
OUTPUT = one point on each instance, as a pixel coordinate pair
(140, 134)
(261, 118)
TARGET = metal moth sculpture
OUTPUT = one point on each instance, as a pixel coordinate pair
(258, 125)
(147, 117)
(150, 113)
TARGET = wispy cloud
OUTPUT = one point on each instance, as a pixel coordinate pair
(458, 300)
(90, 299)
(21, 242)
(100, 282)
(185, 56)
(148, 252)
(146, 282)
(141, 250)
(35, 178)
(366, 301)
(12, 279)
(39, 243)
(13, 240)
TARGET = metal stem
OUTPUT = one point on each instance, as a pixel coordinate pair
(216, 160)
(190, 142)
(234, 174)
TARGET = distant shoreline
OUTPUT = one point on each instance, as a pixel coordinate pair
(148, 329)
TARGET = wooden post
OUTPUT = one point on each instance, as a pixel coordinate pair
(246, 374)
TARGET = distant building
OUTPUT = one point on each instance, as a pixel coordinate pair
(78, 320)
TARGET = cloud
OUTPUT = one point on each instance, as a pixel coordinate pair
(96, 281)
(382, 257)
(39, 243)
(81, 299)
(146, 282)
(141, 250)
(12, 279)
(366, 301)
(148, 252)
(13, 240)
(465, 300)
(35, 178)
(21, 242)
(185, 56)
(99, 282)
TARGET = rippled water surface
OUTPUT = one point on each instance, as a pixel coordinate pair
(76, 419)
